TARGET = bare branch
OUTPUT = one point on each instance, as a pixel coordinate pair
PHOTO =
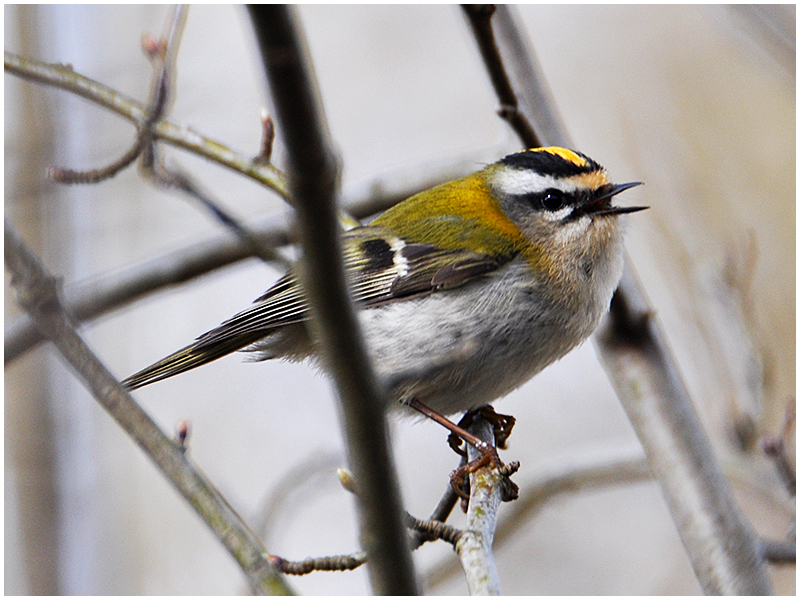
(37, 294)
(474, 546)
(480, 18)
(96, 297)
(313, 187)
(72, 176)
(431, 530)
(440, 514)
(173, 177)
(534, 96)
(342, 562)
(588, 472)
(163, 54)
(64, 77)
(718, 540)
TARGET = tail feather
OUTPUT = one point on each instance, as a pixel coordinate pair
(194, 355)
(282, 305)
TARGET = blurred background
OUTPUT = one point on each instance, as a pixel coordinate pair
(696, 101)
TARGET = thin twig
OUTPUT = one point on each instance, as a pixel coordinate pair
(591, 471)
(63, 77)
(342, 562)
(264, 155)
(164, 63)
(66, 175)
(164, 57)
(441, 513)
(37, 294)
(302, 483)
(420, 531)
(427, 530)
(173, 177)
(313, 178)
(480, 18)
(430, 530)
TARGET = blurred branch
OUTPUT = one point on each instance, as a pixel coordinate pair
(63, 77)
(717, 538)
(175, 178)
(313, 180)
(588, 472)
(304, 482)
(163, 55)
(93, 298)
(774, 447)
(37, 294)
(778, 553)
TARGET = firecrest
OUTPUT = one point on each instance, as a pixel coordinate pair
(466, 290)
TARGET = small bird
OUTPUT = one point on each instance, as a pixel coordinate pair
(465, 290)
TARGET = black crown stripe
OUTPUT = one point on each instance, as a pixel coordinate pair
(542, 161)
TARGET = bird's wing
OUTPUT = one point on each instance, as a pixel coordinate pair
(380, 267)
(383, 268)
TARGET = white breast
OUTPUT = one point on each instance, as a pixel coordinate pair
(461, 348)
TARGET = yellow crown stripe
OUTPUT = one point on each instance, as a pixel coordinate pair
(564, 153)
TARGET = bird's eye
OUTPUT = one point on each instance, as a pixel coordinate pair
(553, 200)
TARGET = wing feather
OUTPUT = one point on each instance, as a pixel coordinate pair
(381, 268)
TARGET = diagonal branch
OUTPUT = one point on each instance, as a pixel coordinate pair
(37, 294)
(480, 18)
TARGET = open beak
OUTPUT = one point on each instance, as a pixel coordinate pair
(600, 205)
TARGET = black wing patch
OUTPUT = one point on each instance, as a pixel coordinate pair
(381, 268)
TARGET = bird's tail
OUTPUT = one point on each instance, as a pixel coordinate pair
(199, 353)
